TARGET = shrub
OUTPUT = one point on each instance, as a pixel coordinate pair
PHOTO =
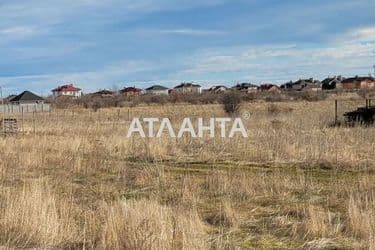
(231, 102)
(312, 96)
(275, 109)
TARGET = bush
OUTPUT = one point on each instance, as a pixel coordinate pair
(274, 109)
(231, 102)
(313, 96)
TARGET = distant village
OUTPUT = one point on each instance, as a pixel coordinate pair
(328, 84)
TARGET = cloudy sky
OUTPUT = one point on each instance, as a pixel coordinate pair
(100, 44)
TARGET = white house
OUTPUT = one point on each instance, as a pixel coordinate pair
(67, 90)
(188, 88)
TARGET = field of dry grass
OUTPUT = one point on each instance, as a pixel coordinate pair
(74, 180)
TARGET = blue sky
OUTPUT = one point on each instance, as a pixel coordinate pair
(100, 44)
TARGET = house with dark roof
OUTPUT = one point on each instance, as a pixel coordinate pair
(187, 88)
(131, 91)
(357, 82)
(268, 87)
(67, 90)
(312, 85)
(8, 98)
(218, 89)
(104, 93)
(246, 87)
(303, 85)
(287, 86)
(24, 102)
(27, 97)
(157, 90)
(331, 83)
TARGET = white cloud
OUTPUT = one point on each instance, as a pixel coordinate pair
(256, 63)
(364, 34)
(192, 32)
(17, 32)
(359, 35)
(350, 53)
(23, 19)
(44, 10)
(88, 80)
(284, 62)
(176, 32)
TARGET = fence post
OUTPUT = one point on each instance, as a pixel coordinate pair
(34, 123)
(336, 106)
(22, 120)
(2, 115)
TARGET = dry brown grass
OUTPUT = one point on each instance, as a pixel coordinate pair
(73, 180)
(362, 217)
(145, 224)
(34, 216)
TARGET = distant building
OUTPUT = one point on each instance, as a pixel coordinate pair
(104, 93)
(287, 86)
(157, 90)
(188, 88)
(314, 85)
(269, 88)
(26, 97)
(246, 87)
(67, 90)
(218, 89)
(366, 82)
(131, 91)
(332, 83)
(303, 85)
(8, 98)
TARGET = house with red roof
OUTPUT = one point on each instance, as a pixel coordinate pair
(67, 90)
(357, 82)
(131, 91)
